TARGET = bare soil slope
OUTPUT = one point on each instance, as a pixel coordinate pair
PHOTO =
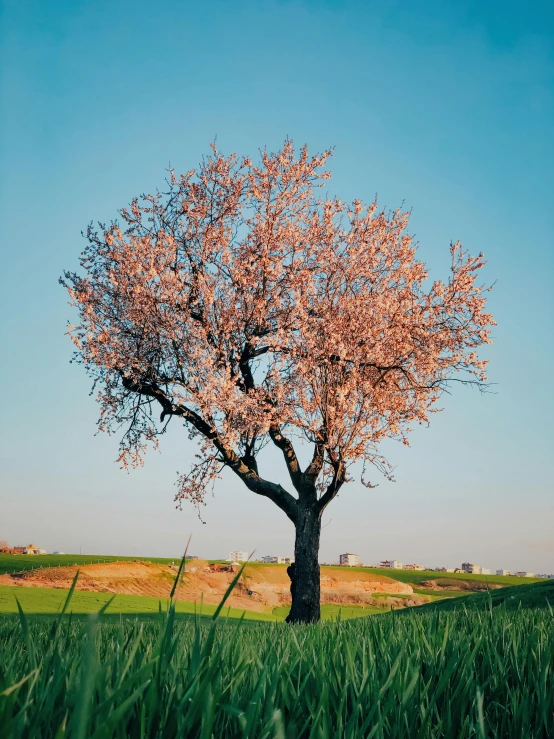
(260, 588)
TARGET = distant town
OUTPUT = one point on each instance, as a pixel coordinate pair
(348, 559)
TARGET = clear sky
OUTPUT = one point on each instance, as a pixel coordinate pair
(447, 106)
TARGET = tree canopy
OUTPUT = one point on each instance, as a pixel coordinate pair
(255, 309)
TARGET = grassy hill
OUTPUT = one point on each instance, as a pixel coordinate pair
(49, 602)
(429, 675)
(418, 577)
(437, 585)
(536, 595)
(19, 562)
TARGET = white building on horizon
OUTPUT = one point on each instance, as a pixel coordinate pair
(504, 573)
(236, 556)
(392, 564)
(349, 560)
(270, 559)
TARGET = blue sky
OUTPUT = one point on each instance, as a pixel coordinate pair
(446, 106)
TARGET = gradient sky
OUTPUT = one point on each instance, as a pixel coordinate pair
(446, 106)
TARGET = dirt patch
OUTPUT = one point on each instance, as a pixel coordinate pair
(260, 588)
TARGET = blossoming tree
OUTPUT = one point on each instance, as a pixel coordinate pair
(255, 311)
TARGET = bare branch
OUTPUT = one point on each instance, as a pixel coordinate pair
(247, 474)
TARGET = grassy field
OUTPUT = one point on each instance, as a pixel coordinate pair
(442, 593)
(416, 577)
(331, 611)
(426, 673)
(537, 595)
(49, 601)
(17, 563)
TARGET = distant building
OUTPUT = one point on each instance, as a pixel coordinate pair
(524, 574)
(278, 560)
(471, 568)
(349, 560)
(393, 564)
(236, 556)
(413, 567)
(504, 573)
(485, 571)
(445, 569)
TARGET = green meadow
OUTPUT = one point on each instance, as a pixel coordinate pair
(49, 602)
(460, 668)
(537, 595)
(417, 577)
(21, 562)
(16, 563)
(86, 664)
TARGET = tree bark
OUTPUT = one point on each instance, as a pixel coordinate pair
(304, 574)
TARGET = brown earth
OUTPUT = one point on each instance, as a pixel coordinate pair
(260, 588)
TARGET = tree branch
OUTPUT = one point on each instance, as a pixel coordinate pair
(314, 468)
(334, 486)
(249, 476)
(291, 460)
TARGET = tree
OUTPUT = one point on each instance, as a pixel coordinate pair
(255, 311)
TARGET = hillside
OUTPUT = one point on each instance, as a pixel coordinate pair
(261, 588)
(447, 580)
(536, 595)
(10, 563)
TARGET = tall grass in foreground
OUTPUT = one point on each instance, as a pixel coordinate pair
(454, 674)
(467, 673)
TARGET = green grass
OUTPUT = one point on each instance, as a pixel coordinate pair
(48, 601)
(19, 562)
(332, 611)
(427, 673)
(416, 577)
(442, 593)
(538, 595)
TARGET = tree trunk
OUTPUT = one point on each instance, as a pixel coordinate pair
(304, 574)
